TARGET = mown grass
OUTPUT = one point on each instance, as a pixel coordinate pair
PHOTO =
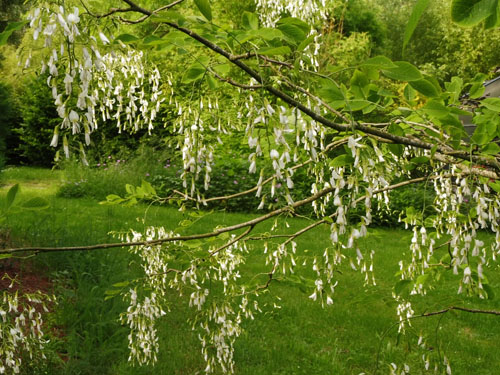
(300, 337)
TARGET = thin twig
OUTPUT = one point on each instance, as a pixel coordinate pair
(458, 308)
(233, 241)
(234, 83)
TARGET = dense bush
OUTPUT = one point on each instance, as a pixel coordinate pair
(38, 120)
(8, 119)
(359, 17)
(417, 196)
(229, 176)
(110, 174)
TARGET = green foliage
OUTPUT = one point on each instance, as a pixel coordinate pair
(348, 51)
(438, 46)
(360, 17)
(296, 112)
(417, 196)
(8, 119)
(39, 117)
(12, 206)
(417, 12)
(110, 174)
(471, 12)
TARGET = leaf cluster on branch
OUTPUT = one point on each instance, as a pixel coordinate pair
(386, 126)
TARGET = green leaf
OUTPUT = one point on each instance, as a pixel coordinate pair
(186, 223)
(222, 69)
(328, 219)
(153, 40)
(11, 195)
(404, 71)
(194, 73)
(436, 109)
(491, 149)
(127, 38)
(492, 20)
(415, 16)
(195, 244)
(112, 199)
(169, 16)
(305, 43)
(295, 22)
(425, 87)
(454, 87)
(420, 160)
(396, 149)
(295, 30)
(5, 256)
(111, 292)
(147, 188)
(121, 284)
(341, 161)
(471, 12)
(359, 79)
(292, 33)
(380, 62)
(409, 93)
(421, 280)
(357, 104)
(35, 203)
(11, 27)
(484, 133)
(250, 21)
(476, 90)
(273, 51)
(495, 186)
(212, 82)
(331, 92)
(492, 103)
(204, 8)
(265, 33)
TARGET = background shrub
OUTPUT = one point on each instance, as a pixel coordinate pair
(7, 120)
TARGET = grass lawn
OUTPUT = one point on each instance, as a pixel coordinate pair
(300, 337)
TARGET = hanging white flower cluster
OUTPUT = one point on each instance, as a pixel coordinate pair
(313, 12)
(196, 127)
(115, 86)
(218, 318)
(468, 254)
(145, 309)
(21, 328)
(310, 11)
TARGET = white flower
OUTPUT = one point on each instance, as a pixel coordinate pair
(73, 18)
(274, 154)
(73, 116)
(66, 147)
(253, 167)
(55, 139)
(313, 296)
(104, 39)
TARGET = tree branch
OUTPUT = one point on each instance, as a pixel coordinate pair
(215, 233)
(133, 8)
(465, 309)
